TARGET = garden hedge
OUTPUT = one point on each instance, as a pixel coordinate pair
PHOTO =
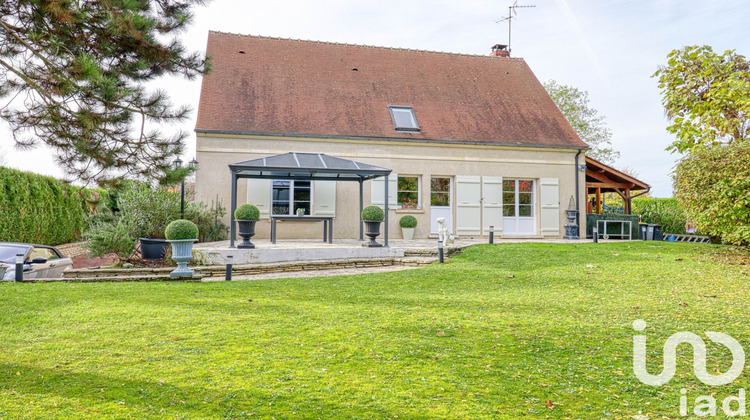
(39, 209)
(664, 211)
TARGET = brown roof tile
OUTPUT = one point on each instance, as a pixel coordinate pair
(271, 85)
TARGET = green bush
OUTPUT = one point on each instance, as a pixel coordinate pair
(145, 212)
(148, 209)
(208, 220)
(39, 209)
(373, 213)
(247, 212)
(712, 184)
(111, 238)
(408, 221)
(181, 229)
(664, 211)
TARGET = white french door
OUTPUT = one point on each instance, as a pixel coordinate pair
(519, 204)
(441, 203)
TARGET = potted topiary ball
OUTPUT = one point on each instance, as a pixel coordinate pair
(246, 216)
(181, 234)
(372, 216)
(408, 223)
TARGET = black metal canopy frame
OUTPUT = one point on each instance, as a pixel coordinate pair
(308, 167)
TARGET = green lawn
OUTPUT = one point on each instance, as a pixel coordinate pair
(503, 331)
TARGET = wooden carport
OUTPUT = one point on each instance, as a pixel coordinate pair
(602, 178)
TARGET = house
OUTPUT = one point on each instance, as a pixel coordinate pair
(474, 139)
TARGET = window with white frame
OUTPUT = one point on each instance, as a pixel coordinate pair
(289, 196)
(403, 118)
(408, 192)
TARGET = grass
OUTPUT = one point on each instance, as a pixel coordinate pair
(503, 331)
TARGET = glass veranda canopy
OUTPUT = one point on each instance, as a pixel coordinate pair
(308, 167)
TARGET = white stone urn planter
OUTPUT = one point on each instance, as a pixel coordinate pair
(182, 252)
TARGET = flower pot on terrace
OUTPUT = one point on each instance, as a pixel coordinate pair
(246, 229)
(372, 230)
(407, 233)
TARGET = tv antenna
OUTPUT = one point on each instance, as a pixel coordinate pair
(512, 14)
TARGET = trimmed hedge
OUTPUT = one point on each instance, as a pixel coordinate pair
(181, 229)
(39, 209)
(246, 212)
(373, 213)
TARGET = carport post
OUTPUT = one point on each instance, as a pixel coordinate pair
(231, 210)
(361, 204)
(386, 212)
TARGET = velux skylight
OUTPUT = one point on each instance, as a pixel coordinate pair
(403, 118)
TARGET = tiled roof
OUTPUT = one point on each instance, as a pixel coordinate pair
(290, 87)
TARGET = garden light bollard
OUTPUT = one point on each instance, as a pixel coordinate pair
(228, 276)
(596, 234)
(19, 268)
(492, 234)
(440, 252)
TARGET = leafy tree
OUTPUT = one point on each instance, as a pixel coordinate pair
(712, 184)
(74, 75)
(706, 96)
(586, 121)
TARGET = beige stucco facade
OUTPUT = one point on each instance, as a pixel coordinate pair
(460, 162)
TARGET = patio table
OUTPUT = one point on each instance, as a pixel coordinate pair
(327, 225)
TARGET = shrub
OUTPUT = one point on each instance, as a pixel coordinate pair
(181, 229)
(148, 210)
(373, 213)
(664, 211)
(208, 220)
(247, 212)
(712, 184)
(111, 238)
(39, 209)
(408, 221)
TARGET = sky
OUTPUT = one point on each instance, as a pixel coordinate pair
(608, 48)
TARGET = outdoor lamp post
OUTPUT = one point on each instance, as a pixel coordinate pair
(19, 268)
(178, 164)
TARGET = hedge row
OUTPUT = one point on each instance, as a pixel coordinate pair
(39, 209)
(664, 211)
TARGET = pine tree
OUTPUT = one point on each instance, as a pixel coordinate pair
(73, 75)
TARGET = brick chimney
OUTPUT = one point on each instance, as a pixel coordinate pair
(499, 50)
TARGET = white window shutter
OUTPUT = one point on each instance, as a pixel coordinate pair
(324, 198)
(492, 204)
(259, 194)
(468, 205)
(549, 199)
(377, 192)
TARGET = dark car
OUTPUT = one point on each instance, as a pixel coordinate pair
(39, 261)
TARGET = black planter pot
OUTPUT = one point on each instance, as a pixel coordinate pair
(372, 230)
(246, 229)
(153, 249)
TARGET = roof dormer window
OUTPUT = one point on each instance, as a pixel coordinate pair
(403, 118)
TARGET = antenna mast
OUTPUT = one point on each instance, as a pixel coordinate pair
(512, 15)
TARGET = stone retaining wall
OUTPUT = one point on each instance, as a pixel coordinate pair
(251, 269)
